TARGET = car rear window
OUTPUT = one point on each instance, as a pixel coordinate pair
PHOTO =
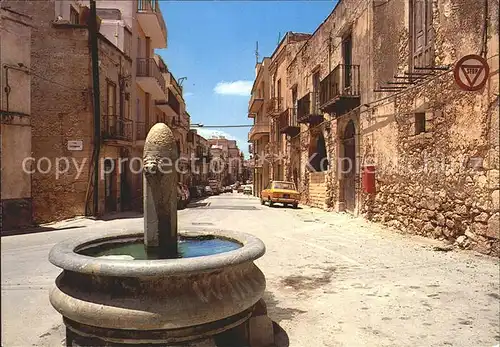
(284, 185)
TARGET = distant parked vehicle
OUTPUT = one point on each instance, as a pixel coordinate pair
(240, 189)
(180, 197)
(247, 190)
(228, 189)
(208, 191)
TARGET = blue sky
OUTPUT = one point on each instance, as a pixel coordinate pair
(212, 43)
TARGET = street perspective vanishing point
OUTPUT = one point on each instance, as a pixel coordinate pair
(250, 173)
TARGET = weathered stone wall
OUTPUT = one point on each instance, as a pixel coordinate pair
(444, 182)
(62, 110)
(15, 119)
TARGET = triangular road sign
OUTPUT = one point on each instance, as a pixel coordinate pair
(472, 72)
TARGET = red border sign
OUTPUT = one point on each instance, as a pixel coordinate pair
(471, 72)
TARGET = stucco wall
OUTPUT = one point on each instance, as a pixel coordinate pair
(15, 135)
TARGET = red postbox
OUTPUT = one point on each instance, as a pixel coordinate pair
(369, 179)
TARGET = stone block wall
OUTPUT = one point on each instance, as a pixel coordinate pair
(442, 182)
(317, 189)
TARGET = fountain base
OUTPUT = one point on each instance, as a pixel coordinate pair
(78, 334)
(114, 302)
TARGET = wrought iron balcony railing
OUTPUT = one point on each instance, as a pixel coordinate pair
(117, 128)
(288, 122)
(258, 128)
(147, 67)
(343, 81)
(274, 106)
(308, 108)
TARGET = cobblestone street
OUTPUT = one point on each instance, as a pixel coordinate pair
(332, 280)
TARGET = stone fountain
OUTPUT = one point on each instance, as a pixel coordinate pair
(157, 286)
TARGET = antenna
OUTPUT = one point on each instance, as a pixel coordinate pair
(256, 52)
(279, 37)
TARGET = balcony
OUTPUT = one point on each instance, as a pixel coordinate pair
(172, 82)
(152, 23)
(117, 128)
(308, 110)
(340, 90)
(274, 106)
(288, 122)
(254, 105)
(180, 122)
(150, 78)
(140, 131)
(258, 130)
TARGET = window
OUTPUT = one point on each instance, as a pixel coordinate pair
(126, 106)
(127, 42)
(111, 99)
(74, 16)
(173, 102)
(315, 80)
(284, 185)
(422, 33)
(146, 110)
(419, 123)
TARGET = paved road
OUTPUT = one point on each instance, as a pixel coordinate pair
(332, 280)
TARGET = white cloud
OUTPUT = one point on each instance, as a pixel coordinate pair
(187, 95)
(242, 88)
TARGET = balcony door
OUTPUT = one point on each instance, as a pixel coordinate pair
(315, 97)
(347, 60)
(279, 95)
(293, 120)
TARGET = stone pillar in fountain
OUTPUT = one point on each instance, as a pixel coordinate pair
(160, 191)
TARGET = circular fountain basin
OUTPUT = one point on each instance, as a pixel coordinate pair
(110, 289)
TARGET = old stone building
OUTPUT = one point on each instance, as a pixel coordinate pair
(62, 103)
(435, 147)
(62, 115)
(282, 109)
(15, 119)
(375, 91)
(201, 161)
(171, 110)
(260, 132)
(227, 154)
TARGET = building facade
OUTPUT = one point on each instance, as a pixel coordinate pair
(382, 98)
(259, 134)
(63, 143)
(15, 118)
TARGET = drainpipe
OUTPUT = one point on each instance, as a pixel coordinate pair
(97, 100)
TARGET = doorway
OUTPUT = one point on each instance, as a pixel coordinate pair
(109, 186)
(349, 166)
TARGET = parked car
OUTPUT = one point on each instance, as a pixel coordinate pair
(186, 192)
(240, 189)
(247, 190)
(194, 192)
(208, 191)
(228, 189)
(280, 192)
(180, 197)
